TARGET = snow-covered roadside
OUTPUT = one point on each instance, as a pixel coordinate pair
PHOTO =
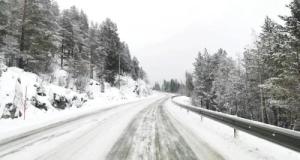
(88, 138)
(76, 104)
(10, 128)
(220, 137)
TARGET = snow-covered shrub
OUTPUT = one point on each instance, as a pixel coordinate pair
(11, 111)
(59, 94)
(129, 87)
(35, 102)
(142, 88)
(40, 90)
(81, 83)
(3, 68)
(59, 101)
(93, 88)
(60, 78)
(78, 102)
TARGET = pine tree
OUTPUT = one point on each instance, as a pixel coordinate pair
(11, 49)
(189, 84)
(272, 50)
(221, 81)
(291, 75)
(83, 35)
(111, 46)
(66, 34)
(135, 69)
(4, 12)
(205, 69)
(93, 45)
(38, 34)
(166, 86)
(125, 59)
(156, 87)
(142, 74)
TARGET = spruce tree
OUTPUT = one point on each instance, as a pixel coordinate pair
(125, 58)
(4, 12)
(291, 76)
(156, 87)
(189, 84)
(39, 33)
(135, 69)
(111, 46)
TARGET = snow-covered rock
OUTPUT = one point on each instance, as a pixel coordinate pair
(22, 91)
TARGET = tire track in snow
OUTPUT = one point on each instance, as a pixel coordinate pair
(200, 147)
(136, 137)
(151, 135)
(67, 141)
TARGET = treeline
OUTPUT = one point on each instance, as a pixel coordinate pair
(36, 36)
(264, 85)
(171, 86)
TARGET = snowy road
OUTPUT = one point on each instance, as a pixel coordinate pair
(141, 130)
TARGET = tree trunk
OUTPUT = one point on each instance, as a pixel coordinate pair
(236, 105)
(297, 121)
(22, 38)
(62, 57)
(91, 65)
(262, 107)
(22, 41)
(276, 115)
(207, 104)
(62, 54)
(61, 62)
(267, 119)
(102, 86)
(91, 71)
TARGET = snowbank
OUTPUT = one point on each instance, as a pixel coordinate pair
(220, 137)
(47, 103)
(43, 95)
(17, 85)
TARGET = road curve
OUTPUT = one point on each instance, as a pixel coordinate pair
(155, 134)
(141, 130)
(151, 135)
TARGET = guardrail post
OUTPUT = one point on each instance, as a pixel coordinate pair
(235, 133)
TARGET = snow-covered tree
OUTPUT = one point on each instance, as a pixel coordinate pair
(125, 59)
(156, 87)
(189, 84)
(135, 69)
(39, 29)
(111, 46)
(36, 36)
(290, 78)
(4, 12)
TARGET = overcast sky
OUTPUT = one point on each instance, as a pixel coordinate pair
(166, 35)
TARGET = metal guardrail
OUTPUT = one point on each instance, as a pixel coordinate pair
(280, 136)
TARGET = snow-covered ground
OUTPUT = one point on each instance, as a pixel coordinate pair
(220, 137)
(148, 128)
(89, 138)
(32, 86)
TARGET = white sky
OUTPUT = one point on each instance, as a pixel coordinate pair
(166, 35)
